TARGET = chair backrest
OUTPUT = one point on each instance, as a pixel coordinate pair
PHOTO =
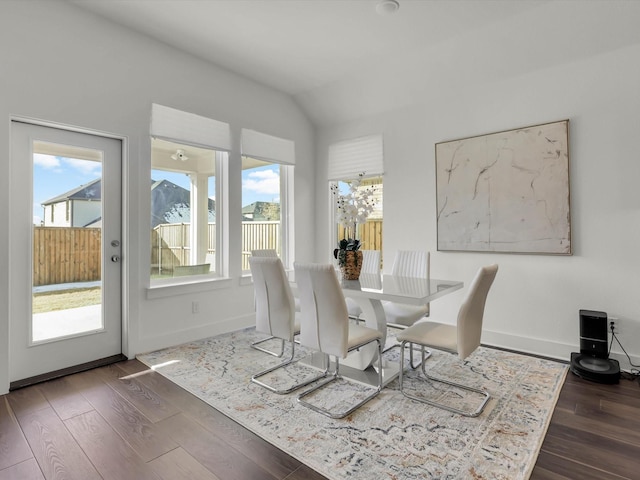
(275, 306)
(265, 252)
(411, 263)
(370, 261)
(324, 318)
(472, 311)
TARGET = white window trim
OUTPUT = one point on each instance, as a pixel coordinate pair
(191, 129)
(279, 151)
(346, 161)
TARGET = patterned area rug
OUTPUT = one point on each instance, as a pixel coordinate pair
(390, 437)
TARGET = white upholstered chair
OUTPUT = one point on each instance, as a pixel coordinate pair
(275, 313)
(270, 252)
(412, 264)
(462, 338)
(370, 265)
(325, 327)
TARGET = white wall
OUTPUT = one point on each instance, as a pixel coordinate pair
(60, 64)
(534, 303)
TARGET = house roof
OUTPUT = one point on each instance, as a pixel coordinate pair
(261, 211)
(88, 191)
(170, 203)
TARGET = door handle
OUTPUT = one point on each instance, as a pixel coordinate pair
(115, 258)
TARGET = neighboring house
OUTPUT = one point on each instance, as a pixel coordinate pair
(170, 203)
(79, 207)
(261, 211)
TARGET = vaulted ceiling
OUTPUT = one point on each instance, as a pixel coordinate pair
(340, 59)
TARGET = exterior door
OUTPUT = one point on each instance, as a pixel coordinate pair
(65, 269)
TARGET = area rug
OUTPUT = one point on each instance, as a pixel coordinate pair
(390, 437)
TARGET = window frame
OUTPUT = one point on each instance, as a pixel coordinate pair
(287, 227)
(220, 159)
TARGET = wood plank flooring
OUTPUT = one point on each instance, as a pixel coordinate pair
(594, 433)
(124, 422)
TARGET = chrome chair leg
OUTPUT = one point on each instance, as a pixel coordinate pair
(429, 378)
(255, 345)
(255, 378)
(335, 376)
(426, 353)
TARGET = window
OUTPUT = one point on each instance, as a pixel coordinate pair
(189, 155)
(347, 160)
(267, 186)
(369, 233)
(183, 210)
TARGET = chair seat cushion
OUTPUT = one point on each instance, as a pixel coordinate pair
(359, 335)
(403, 314)
(431, 334)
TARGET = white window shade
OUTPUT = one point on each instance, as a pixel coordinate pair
(189, 129)
(350, 158)
(267, 147)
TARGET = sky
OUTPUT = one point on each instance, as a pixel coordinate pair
(53, 176)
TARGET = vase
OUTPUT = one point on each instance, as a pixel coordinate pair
(350, 262)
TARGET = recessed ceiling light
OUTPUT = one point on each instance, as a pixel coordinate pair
(387, 7)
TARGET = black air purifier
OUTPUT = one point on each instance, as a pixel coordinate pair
(593, 362)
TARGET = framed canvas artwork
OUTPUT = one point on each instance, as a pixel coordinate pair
(505, 192)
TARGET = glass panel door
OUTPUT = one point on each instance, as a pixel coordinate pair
(67, 241)
(65, 266)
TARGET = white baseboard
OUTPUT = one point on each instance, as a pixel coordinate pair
(548, 348)
(535, 346)
(150, 344)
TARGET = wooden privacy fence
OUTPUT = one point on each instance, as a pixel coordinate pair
(66, 255)
(369, 233)
(170, 243)
(259, 236)
(170, 246)
(69, 254)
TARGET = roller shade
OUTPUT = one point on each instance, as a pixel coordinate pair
(188, 128)
(267, 147)
(349, 158)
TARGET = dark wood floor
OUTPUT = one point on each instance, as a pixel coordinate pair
(126, 422)
(594, 433)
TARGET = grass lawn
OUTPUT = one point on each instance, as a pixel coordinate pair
(65, 299)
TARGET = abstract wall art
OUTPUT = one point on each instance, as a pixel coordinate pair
(505, 192)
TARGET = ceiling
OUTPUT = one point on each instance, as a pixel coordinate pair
(311, 49)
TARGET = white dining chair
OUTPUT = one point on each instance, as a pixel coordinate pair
(270, 252)
(462, 338)
(275, 315)
(325, 328)
(411, 264)
(272, 304)
(370, 265)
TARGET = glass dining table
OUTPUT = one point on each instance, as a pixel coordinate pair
(370, 291)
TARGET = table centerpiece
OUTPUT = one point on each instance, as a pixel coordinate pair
(353, 207)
